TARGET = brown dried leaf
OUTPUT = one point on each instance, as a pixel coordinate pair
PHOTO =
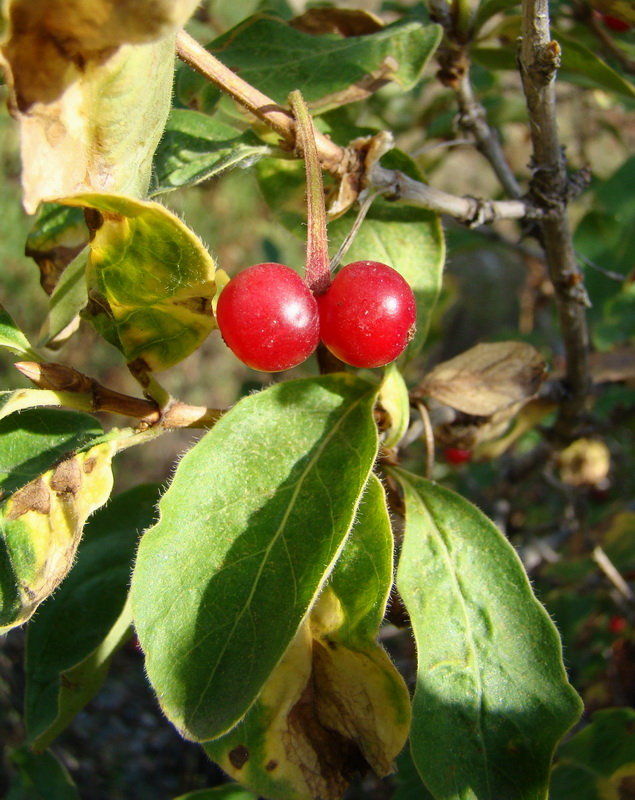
(486, 379)
(90, 85)
(342, 21)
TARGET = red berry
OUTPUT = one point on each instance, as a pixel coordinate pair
(457, 455)
(617, 624)
(268, 317)
(367, 315)
(615, 23)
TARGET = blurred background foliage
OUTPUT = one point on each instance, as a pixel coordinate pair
(496, 287)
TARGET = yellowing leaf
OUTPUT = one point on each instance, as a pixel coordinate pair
(327, 711)
(41, 525)
(90, 84)
(486, 379)
(152, 276)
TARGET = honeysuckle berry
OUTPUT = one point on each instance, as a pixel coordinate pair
(367, 315)
(268, 317)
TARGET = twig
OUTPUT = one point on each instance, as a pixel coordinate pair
(350, 236)
(473, 119)
(539, 61)
(611, 572)
(61, 378)
(428, 435)
(338, 160)
(277, 118)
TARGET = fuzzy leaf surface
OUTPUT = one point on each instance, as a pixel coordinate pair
(492, 698)
(91, 83)
(249, 530)
(73, 636)
(196, 147)
(270, 54)
(152, 277)
(335, 699)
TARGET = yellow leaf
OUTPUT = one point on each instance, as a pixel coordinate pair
(41, 525)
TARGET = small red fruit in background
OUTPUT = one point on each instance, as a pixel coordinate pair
(617, 624)
(615, 24)
(268, 317)
(367, 315)
(457, 455)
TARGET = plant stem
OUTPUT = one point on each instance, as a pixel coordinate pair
(336, 160)
(266, 109)
(317, 268)
(96, 397)
(473, 119)
(539, 61)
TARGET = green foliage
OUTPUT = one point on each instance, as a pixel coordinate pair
(260, 579)
(255, 542)
(481, 637)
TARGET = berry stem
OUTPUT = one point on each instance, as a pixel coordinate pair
(317, 271)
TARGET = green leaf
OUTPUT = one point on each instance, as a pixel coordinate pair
(228, 791)
(406, 238)
(579, 64)
(492, 698)
(12, 338)
(40, 777)
(599, 760)
(68, 299)
(58, 235)
(33, 441)
(580, 61)
(154, 276)
(41, 522)
(75, 632)
(196, 147)
(21, 399)
(249, 530)
(394, 399)
(276, 58)
(489, 9)
(335, 698)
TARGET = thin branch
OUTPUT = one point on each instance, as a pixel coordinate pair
(539, 61)
(612, 573)
(61, 378)
(339, 160)
(263, 107)
(473, 119)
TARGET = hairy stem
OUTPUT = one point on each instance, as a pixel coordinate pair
(317, 269)
(97, 397)
(539, 61)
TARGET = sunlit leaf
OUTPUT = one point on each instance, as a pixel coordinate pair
(487, 378)
(91, 90)
(276, 58)
(12, 338)
(21, 399)
(335, 702)
(492, 698)
(154, 277)
(74, 634)
(228, 791)
(250, 528)
(196, 147)
(67, 300)
(394, 399)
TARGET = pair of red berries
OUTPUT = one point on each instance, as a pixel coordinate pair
(272, 321)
